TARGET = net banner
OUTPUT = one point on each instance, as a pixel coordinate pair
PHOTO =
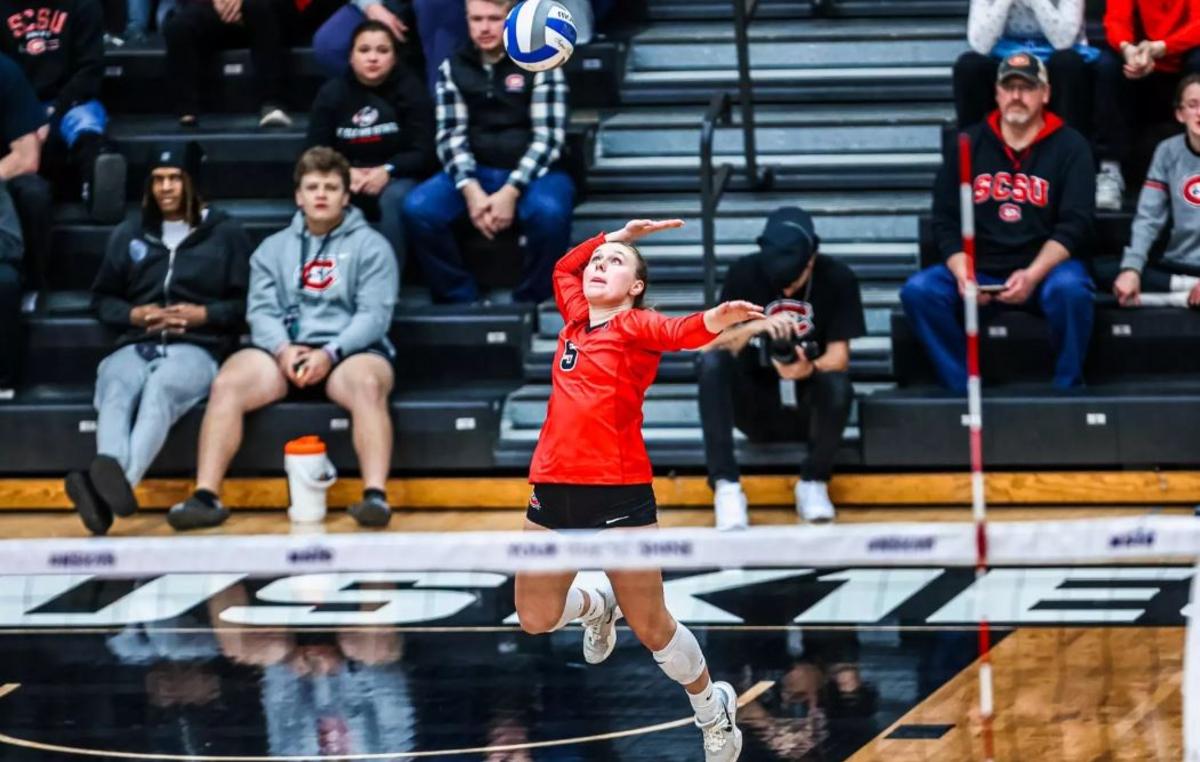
(897, 544)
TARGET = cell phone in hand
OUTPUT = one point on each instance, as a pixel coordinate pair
(992, 288)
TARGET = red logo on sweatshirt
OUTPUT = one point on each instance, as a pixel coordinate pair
(319, 274)
(1019, 188)
(1191, 190)
(1010, 213)
(39, 27)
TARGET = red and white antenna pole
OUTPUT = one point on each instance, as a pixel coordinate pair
(975, 424)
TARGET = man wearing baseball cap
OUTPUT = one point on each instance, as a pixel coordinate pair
(173, 285)
(784, 379)
(1034, 191)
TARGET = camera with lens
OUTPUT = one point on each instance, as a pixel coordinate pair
(783, 351)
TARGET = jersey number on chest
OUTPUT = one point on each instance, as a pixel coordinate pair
(570, 356)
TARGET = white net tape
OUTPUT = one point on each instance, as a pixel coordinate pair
(909, 544)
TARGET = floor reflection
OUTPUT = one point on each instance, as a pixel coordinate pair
(185, 687)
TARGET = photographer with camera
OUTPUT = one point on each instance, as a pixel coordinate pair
(783, 378)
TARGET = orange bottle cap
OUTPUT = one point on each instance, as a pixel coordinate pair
(310, 445)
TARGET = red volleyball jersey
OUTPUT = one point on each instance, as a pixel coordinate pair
(593, 428)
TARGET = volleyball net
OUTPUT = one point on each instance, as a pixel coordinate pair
(1088, 620)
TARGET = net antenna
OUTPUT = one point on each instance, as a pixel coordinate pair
(975, 426)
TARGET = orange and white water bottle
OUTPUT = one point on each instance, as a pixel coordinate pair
(310, 475)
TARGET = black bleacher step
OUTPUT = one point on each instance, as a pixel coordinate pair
(672, 432)
(870, 260)
(65, 343)
(861, 216)
(1150, 422)
(241, 160)
(134, 81)
(1015, 346)
(865, 146)
(846, 85)
(50, 430)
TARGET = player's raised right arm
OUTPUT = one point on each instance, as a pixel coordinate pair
(568, 279)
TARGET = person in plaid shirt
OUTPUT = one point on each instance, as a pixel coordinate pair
(500, 134)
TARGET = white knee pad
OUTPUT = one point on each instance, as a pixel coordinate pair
(681, 659)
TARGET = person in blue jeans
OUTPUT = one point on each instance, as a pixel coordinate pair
(1034, 194)
(500, 133)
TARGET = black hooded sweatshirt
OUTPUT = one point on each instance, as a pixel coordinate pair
(1022, 199)
(391, 123)
(59, 45)
(210, 267)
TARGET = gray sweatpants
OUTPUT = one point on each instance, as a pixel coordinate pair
(138, 400)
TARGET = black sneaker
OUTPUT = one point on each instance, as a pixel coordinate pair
(91, 508)
(371, 511)
(194, 513)
(108, 479)
(106, 199)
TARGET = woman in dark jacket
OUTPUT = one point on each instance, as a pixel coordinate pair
(380, 118)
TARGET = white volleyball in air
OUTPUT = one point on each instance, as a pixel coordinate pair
(539, 35)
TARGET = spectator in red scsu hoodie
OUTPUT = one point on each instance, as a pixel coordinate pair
(1034, 193)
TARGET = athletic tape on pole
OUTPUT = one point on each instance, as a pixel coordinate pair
(908, 544)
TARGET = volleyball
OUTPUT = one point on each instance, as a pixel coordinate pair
(539, 35)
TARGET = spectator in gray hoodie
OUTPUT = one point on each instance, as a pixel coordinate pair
(322, 330)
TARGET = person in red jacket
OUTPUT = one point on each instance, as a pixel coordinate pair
(590, 469)
(1153, 45)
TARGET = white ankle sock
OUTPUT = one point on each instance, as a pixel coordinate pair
(705, 703)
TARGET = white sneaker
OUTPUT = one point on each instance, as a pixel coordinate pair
(813, 503)
(274, 117)
(600, 634)
(1110, 186)
(729, 504)
(722, 738)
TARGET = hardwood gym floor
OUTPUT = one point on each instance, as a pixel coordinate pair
(77, 681)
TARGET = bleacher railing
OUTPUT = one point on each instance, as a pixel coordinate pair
(713, 181)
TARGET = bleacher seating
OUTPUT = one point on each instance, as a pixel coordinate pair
(850, 110)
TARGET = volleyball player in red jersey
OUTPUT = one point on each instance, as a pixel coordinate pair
(590, 469)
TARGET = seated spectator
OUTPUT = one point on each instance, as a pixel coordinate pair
(785, 378)
(1054, 33)
(1170, 197)
(173, 284)
(440, 27)
(1156, 44)
(378, 116)
(501, 130)
(21, 118)
(1034, 197)
(64, 61)
(267, 27)
(326, 336)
